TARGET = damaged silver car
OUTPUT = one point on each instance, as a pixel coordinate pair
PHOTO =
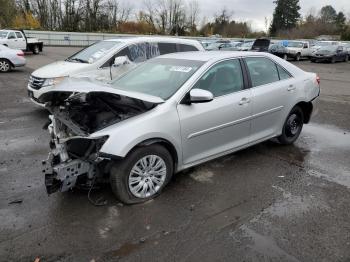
(168, 114)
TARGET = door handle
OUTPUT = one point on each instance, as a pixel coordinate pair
(244, 100)
(291, 88)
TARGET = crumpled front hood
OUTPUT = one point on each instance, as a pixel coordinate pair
(75, 85)
(58, 69)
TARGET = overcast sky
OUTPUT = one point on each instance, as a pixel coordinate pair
(255, 11)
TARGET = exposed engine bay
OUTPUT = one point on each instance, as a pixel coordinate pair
(74, 158)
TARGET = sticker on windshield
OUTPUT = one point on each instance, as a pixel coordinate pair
(183, 69)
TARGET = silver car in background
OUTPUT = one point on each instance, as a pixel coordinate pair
(10, 58)
(171, 113)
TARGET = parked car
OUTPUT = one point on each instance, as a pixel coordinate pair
(298, 50)
(261, 45)
(246, 46)
(170, 113)
(317, 45)
(16, 39)
(98, 61)
(10, 58)
(279, 50)
(331, 54)
(224, 46)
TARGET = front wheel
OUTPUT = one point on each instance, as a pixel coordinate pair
(285, 57)
(5, 65)
(333, 60)
(346, 59)
(297, 57)
(292, 127)
(142, 175)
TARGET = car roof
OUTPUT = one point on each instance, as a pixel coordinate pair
(213, 55)
(132, 40)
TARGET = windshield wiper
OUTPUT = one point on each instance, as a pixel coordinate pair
(78, 60)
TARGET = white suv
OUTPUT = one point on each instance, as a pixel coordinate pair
(98, 61)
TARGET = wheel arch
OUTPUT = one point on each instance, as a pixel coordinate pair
(307, 108)
(163, 142)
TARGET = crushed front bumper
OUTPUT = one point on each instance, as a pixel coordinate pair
(63, 176)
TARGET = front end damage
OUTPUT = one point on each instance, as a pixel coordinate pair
(74, 158)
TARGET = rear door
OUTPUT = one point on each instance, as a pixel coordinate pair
(272, 91)
(212, 128)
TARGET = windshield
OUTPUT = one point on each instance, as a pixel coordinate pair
(93, 52)
(328, 48)
(160, 77)
(324, 43)
(295, 44)
(248, 44)
(3, 34)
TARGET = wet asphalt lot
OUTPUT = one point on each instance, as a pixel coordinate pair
(265, 203)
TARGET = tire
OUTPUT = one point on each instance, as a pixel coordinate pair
(297, 57)
(292, 127)
(313, 60)
(121, 172)
(346, 59)
(36, 50)
(285, 57)
(5, 65)
(333, 60)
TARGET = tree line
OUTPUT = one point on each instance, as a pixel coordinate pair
(287, 21)
(168, 17)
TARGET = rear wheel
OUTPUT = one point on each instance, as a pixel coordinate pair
(297, 57)
(36, 50)
(346, 59)
(142, 174)
(5, 65)
(292, 127)
(285, 57)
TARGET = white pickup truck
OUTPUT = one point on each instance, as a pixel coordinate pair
(298, 50)
(16, 39)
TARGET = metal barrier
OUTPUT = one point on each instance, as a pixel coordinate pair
(52, 38)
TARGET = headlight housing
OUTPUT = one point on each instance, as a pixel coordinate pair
(53, 81)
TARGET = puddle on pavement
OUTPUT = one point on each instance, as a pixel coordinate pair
(264, 245)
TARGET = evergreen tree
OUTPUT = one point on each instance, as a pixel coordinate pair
(285, 16)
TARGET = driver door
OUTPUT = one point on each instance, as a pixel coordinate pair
(213, 128)
(12, 40)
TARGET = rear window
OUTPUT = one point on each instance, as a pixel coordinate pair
(167, 48)
(186, 48)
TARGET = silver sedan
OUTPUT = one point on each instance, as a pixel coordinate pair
(171, 113)
(10, 58)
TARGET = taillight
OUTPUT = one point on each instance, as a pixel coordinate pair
(318, 80)
(20, 54)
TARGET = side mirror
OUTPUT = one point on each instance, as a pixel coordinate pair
(200, 96)
(120, 60)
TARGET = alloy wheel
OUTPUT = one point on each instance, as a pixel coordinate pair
(293, 125)
(147, 176)
(4, 66)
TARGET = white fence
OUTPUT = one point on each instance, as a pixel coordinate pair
(52, 38)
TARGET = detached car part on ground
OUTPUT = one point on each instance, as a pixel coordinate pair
(171, 113)
(10, 58)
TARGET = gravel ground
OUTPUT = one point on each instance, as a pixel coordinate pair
(265, 203)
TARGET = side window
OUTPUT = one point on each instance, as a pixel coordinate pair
(282, 72)
(262, 71)
(166, 48)
(19, 35)
(11, 35)
(223, 78)
(186, 48)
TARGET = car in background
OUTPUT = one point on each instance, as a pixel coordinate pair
(261, 45)
(298, 50)
(231, 46)
(171, 113)
(331, 53)
(278, 49)
(318, 44)
(16, 39)
(101, 61)
(247, 46)
(10, 58)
